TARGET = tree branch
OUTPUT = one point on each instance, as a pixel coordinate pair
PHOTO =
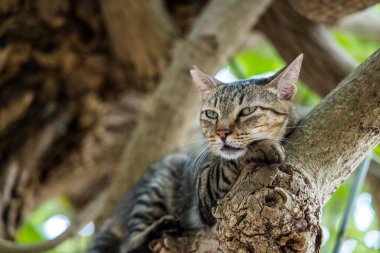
(140, 33)
(345, 128)
(329, 11)
(325, 63)
(55, 59)
(220, 29)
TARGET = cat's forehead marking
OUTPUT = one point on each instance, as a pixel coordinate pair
(228, 96)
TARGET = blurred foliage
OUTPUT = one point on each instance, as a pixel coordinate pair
(248, 63)
(33, 229)
(357, 47)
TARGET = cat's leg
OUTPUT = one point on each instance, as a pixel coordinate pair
(150, 208)
(265, 152)
(214, 181)
(147, 206)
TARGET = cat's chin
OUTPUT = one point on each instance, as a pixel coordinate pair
(231, 153)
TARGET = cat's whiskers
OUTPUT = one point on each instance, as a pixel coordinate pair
(197, 160)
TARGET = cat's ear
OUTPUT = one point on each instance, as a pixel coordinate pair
(204, 82)
(285, 82)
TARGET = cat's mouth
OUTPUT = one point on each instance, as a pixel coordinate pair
(231, 153)
(230, 148)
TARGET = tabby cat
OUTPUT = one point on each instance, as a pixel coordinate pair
(243, 123)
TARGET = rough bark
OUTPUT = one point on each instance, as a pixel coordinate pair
(329, 11)
(346, 129)
(130, 25)
(219, 30)
(325, 63)
(278, 209)
(67, 103)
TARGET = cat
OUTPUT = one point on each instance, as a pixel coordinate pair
(243, 123)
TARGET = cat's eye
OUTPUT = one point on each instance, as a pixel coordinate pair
(211, 114)
(247, 111)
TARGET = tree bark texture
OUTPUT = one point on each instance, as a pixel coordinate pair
(325, 63)
(278, 209)
(329, 11)
(213, 38)
(149, 60)
(67, 102)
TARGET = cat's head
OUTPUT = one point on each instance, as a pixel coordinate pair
(236, 114)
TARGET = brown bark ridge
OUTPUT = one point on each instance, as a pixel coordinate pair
(278, 209)
(325, 63)
(67, 103)
(219, 30)
(130, 25)
(329, 11)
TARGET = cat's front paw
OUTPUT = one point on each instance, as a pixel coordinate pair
(169, 224)
(266, 152)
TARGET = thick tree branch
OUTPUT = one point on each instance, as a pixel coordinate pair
(325, 63)
(220, 29)
(55, 60)
(346, 127)
(329, 11)
(140, 33)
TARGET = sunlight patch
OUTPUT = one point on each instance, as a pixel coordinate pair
(364, 213)
(55, 226)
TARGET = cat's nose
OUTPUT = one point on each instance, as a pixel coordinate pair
(223, 133)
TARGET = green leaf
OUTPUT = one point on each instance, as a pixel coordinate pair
(29, 234)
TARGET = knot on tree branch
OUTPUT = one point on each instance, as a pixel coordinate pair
(266, 202)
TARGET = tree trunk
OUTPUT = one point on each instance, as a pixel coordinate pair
(130, 25)
(68, 103)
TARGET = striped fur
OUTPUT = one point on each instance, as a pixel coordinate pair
(181, 190)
